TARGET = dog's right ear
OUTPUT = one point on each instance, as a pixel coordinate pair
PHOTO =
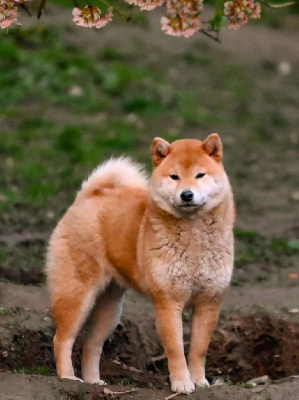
(160, 149)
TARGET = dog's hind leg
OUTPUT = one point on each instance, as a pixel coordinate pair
(74, 280)
(70, 311)
(103, 320)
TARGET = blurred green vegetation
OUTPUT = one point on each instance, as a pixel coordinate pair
(42, 76)
(64, 109)
(266, 259)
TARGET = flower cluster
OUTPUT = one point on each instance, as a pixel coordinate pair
(182, 18)
(240, 11)
(90, 16)
(147, 5)
(8, 13)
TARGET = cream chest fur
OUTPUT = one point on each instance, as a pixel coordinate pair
(192, 259)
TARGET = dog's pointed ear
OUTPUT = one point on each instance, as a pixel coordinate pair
(213, 146)
(160, 149)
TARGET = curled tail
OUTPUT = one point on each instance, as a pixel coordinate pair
(114, 173)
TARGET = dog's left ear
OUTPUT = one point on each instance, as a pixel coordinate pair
(213, 146)
(160, 149)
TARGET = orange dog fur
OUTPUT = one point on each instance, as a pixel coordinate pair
(169, 238)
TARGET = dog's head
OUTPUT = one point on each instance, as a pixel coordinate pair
(188, 175)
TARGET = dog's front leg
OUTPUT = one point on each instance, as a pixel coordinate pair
(170, 329)
(205, 317)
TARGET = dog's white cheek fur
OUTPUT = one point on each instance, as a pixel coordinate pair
(221, 187)
(163, 193)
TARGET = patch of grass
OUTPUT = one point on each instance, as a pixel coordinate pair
(140, 19)
(197, 59)
(69, 140)
(118, 135)
(248, 255)
(281, 246)
(251, 246)
(245, 385)
(42, 370)
(192, 113)
(116, 78)
(21, 371)
(3, 311)
(111, 53)
(260, 259)
(248, 236)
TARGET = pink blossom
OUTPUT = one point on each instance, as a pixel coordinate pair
(178, 27)
(234, 24)
(90, 16)
(145, 5)
(182, 17)
(256, 11)
(84, 16)
(240, 11)
(8, 13)
(101, 22)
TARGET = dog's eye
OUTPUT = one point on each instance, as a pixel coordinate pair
(174, 177)
(199, 175)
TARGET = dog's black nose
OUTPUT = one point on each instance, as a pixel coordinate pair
(187, 195)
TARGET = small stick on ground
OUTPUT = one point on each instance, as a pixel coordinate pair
(112, 393)
(171, 396)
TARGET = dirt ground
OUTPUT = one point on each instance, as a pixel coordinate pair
(258, 332)
(246, 344)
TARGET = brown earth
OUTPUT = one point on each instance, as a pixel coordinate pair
(244, 346)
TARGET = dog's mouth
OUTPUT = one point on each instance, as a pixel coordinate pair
(190, 206)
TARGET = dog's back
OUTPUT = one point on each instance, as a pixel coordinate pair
(101, 216)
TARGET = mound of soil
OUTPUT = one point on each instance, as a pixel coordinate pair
(243, 347)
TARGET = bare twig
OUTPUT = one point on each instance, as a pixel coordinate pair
(171, 396)
(158, 358)
(209, 35)
(25, 8)
(124, 366)
(269, 5)
(112, 393)
(41, 8)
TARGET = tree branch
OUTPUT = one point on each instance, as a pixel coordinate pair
(269, 5)
(41, 8)
(209, 35)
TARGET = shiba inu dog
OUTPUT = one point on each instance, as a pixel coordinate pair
(170, 238)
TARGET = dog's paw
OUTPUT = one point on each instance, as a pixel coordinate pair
(94, 381)
(201, 382)
(182, 386)
(100, 382)
(71, 378)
